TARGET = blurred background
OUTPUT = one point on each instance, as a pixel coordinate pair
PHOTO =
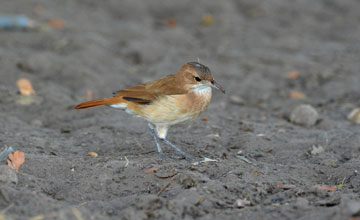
(82, 42)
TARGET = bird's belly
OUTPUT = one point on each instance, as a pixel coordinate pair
(176, 109)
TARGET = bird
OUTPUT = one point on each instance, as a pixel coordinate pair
(173, 99)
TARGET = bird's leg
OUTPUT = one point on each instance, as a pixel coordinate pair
(159, 132)
(187, 156)
(152, 131)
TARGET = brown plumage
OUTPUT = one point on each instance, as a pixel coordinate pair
(170, 100)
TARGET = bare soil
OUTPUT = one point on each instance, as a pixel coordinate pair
(250, 46)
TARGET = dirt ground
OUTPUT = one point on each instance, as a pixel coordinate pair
(250, 46)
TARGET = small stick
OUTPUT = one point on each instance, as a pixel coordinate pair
(139, 144)
(167, 184)
(164, 176)
(127, 162)
(77, 213)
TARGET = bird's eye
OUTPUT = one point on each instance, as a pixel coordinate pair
(197, 78)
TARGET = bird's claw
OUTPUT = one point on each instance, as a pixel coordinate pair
(203, 160)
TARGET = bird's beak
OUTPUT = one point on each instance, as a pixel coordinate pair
(217, 86)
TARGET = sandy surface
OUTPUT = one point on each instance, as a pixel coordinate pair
(250, 47)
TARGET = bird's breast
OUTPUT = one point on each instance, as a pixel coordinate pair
(174, 109)
(200, 98)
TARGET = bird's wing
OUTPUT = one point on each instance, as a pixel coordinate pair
(149, 92)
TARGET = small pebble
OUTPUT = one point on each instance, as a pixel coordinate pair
(354, 116)
(214, 136)
(241, 203)
(28, 99)
(316, 150)
(59, 196)
(66, 129)
(304, 115)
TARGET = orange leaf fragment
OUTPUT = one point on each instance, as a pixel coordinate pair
(16, 160)
(326, 187)
(285, 186)
(297, 95)
(171, 22)
(205, 119)
(56, 23)
(207, 19)
(25, 86)
(292, 75)
(92, 154)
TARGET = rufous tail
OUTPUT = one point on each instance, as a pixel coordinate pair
(97, 102)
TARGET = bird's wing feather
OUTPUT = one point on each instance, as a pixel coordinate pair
(149, 92)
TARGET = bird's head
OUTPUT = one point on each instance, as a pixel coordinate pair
(198, 76)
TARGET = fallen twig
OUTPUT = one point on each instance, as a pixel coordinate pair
(77, 213)
(168, 183)
(326, 187)
(245, 159)
(171, 174)
(127, 162)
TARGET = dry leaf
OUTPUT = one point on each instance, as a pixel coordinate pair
(292, 75)
(56, 23)
(326, 187)
(92, 154)
(285, 186)
(171, 22)
(25, 86)
(354, 116)
(205, 119)
(297, 95)
(207, 19)
(16, 160)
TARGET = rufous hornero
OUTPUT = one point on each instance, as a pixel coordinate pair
(170, 100)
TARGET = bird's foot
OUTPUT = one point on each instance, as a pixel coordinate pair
(203, 160)
(185, 155)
